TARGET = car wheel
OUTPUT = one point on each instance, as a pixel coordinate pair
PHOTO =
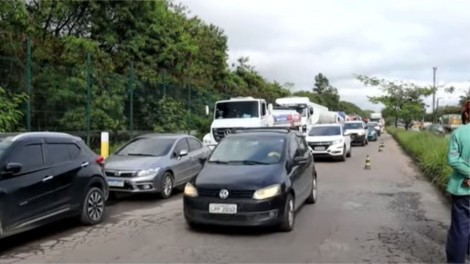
(288, 218)
(363, 143)
(313, 194)
(166, 185)
(93, 207)
(343, 157)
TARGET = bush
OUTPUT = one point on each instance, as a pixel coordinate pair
(429, 150)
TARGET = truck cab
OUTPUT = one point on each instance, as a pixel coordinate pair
(239, 112)
(310, 112)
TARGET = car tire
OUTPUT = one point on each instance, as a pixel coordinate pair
(288, 218)
(312, 198)
(166, 185)
(343, 157)
(363, 143)
(93, 207)
(349, 152)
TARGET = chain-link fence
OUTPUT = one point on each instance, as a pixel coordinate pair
(84, 99)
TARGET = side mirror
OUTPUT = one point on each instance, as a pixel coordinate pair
(183, 152)
(270, 108)
(207, 110)
(311, 111)
(300, 160)
(12, 167)
(202, 161)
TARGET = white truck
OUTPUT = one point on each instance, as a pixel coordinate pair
(310, 112)
(239, 112)
(377, 117)
(330, 117)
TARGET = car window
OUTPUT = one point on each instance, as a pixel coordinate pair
(74, 150)
(194, 144)
(293, 146)
(29, 156)
(153, 146)
(57, 154)
(182, 144)
(263, 109)
(302, 145)
(250, 150)
(355, 125)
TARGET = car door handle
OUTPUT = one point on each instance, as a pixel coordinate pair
(47, 178)
(84, 164)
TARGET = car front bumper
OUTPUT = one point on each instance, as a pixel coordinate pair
(330, 151)
(250, 212)
(144, 184)
(358, 139)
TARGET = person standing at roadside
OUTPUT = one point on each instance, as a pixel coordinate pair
(459, 188)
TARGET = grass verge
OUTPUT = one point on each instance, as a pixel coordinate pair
(428, 150)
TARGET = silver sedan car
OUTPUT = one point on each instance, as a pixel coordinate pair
(155, 163)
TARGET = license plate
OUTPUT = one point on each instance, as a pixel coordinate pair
(222, 208)
(319, 148)
(115, 183)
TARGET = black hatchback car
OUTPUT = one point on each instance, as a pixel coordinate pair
(46, 176)
(255, 177)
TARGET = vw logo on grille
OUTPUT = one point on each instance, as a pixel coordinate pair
(117, 173)
(223, 194)
(228, 132)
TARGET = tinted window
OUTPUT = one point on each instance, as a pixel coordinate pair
(74, 150)
(302, 145)
(194, 144)
(372, 124)
(263, 109)
(182, 144)
(325, 131)
(4, 145)
(29, 156)
(147, 147)
(293, 146)
(237, 110)
(57, 154)
(356, 125)
(243, 149)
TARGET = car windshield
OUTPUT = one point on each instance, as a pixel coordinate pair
(325, 131)
(248, 150)
(372, 124)
(247, 109)
(356, 125)
(371, 128)
(147, 147)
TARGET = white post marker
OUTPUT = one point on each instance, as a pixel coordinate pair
(207, 110)
(104, 144)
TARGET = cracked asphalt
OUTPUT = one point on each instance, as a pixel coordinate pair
(389, 214)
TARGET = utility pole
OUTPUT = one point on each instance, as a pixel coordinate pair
(434, 69)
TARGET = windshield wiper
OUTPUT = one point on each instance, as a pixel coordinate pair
(140, 154)
(250, 162)
(218, 161)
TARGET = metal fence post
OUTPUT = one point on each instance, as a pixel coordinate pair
(131, 98)
(189, 109)
(88, 98)
(28, 83)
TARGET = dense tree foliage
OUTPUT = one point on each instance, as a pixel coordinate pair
(401, 100)
(179, 64)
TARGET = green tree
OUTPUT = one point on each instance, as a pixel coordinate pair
(401, 100)
(10, 115)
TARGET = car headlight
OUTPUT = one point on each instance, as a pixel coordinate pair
(338, 142)
(267, 192)
(190, 190)
(148, 172)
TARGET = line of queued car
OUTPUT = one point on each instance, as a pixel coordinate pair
(253, 177)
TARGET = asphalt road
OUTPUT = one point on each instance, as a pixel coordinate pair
(387, 214)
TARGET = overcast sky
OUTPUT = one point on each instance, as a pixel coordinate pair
(293, 40)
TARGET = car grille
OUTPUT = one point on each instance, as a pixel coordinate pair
(354, 135)
(318, 144)
(112, 173)
(220, 133)
(211, 192)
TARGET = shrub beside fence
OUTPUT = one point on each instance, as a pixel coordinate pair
(429, 150)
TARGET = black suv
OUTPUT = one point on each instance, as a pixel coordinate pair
(46, 176)
(253, 177)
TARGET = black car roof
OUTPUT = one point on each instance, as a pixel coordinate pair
(159, 135)
(264, 131)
